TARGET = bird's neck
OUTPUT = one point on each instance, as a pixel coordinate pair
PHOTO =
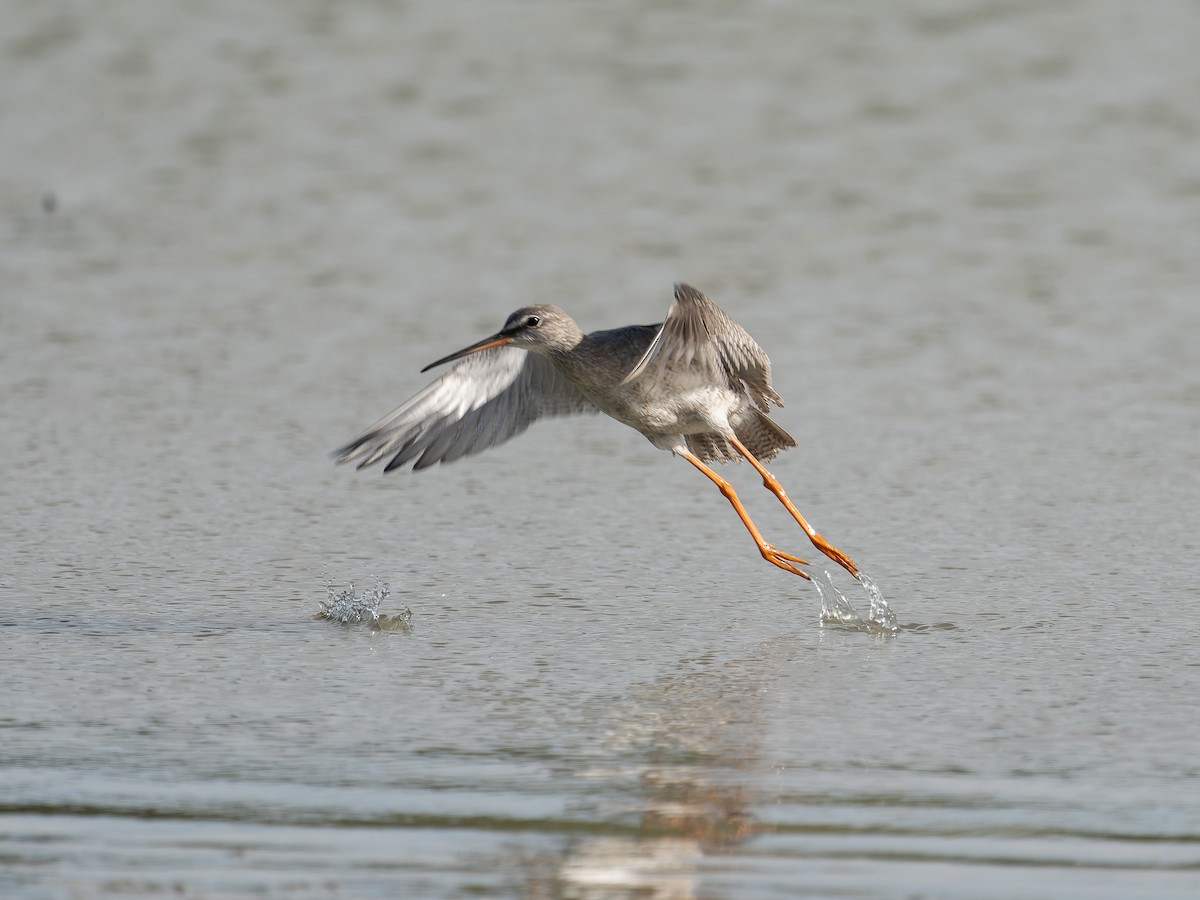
(565, 354)
(563, 348)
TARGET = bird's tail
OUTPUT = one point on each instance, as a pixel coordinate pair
(757, 431)
(761, 434)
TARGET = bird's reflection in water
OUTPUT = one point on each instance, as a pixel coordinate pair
(685, 821)
(695, 735)
(607, 867)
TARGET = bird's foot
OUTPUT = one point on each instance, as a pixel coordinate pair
(834, 553)
(785, 561)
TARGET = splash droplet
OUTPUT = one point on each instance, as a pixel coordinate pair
(881, 615)
(348, 607)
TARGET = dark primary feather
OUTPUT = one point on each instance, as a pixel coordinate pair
(482, 401)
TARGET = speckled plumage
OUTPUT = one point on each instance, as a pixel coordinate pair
(697, 385)
(685, 381)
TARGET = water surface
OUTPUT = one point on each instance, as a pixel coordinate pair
(231, 237)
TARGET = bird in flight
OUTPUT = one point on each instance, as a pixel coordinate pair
(697, 385)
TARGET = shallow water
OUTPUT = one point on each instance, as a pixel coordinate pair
(964, 233)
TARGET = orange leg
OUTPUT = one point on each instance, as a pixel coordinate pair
(772, 555)
(772, 484)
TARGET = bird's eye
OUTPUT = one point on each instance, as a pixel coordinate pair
(533, 321)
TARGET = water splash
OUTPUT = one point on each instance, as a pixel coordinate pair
(881, 615)
(837, 610)
(348, 607)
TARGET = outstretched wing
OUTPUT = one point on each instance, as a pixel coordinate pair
(487, 398)
(700, 336)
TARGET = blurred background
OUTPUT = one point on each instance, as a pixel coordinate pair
(230, 236)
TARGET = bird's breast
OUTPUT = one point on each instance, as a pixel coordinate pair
(680, 408)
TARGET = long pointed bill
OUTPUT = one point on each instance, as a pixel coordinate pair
(496, 340)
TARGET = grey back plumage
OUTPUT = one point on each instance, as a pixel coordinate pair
(494, 394)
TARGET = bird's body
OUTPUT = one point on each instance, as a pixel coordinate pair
(697, 385)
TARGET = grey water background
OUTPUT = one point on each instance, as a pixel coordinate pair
(230, 235)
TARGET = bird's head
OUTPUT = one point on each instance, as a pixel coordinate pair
(541, 329)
